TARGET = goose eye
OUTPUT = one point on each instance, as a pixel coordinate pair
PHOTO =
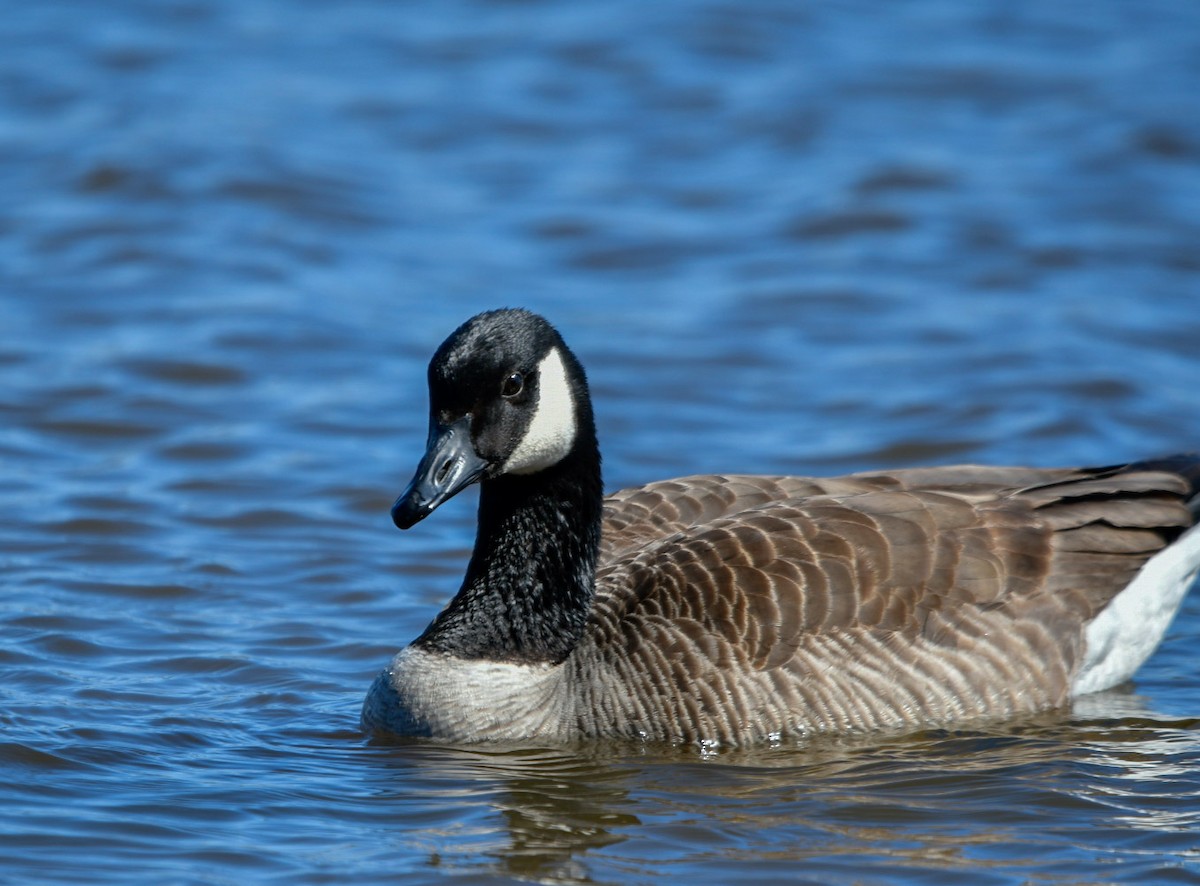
(513, 385)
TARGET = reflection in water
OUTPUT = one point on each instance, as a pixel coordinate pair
(551, 805)
(1145, 766)
(1004, 796)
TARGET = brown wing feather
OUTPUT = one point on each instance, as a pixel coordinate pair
(737, 596)
(636, 517)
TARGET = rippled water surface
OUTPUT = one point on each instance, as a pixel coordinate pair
(783, 237)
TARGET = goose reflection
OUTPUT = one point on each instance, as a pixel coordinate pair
(946, 799)
(544, 807)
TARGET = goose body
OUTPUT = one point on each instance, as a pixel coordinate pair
(736, 609)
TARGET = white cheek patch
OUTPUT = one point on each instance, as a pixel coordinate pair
(551, 433)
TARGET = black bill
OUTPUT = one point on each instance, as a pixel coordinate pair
(450, 465)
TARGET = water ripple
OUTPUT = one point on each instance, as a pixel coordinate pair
(782, 238)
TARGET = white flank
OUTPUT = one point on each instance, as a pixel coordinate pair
(551, 433)
(467, 700)
(1125, 634)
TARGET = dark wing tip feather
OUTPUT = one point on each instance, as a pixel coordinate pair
(1185, 465)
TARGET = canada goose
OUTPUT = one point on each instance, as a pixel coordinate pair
(734, 609)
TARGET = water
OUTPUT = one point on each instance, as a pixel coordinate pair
(782, 237)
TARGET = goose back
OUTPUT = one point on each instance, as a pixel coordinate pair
(741, 608)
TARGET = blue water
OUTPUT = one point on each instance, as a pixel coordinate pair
(782, 237)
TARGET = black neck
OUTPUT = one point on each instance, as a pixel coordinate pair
(528, 588)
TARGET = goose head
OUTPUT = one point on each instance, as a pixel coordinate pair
(506, 398)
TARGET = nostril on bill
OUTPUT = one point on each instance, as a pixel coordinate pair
(444, 471)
